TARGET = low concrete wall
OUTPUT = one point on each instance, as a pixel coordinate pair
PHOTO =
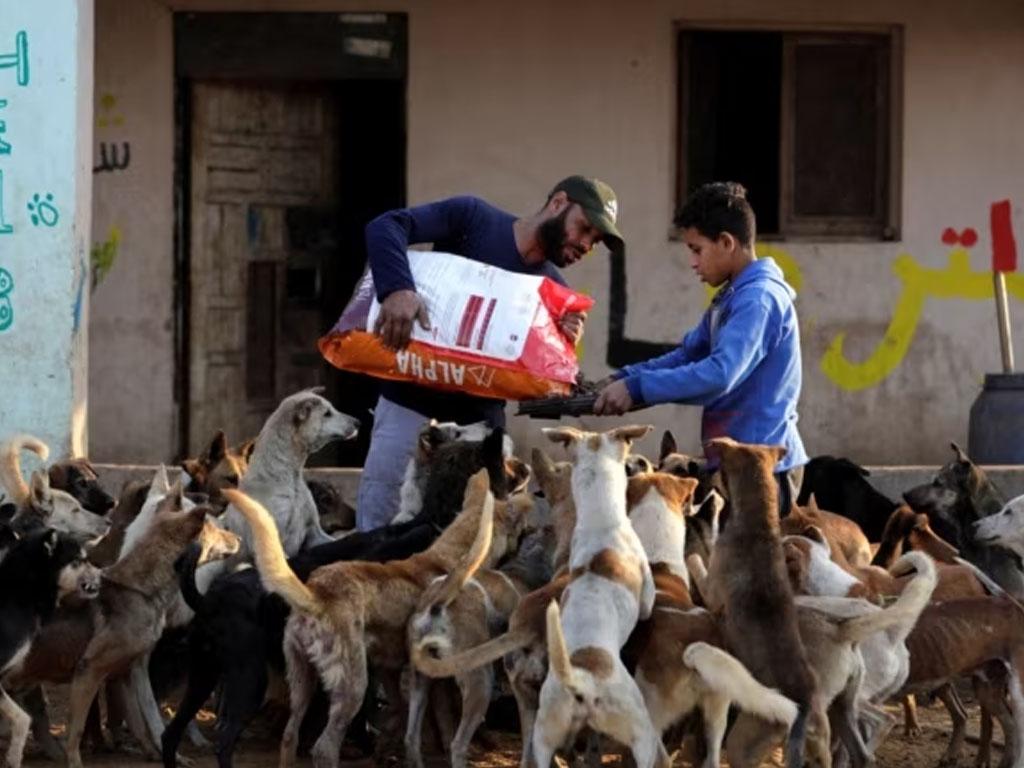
(892, 481)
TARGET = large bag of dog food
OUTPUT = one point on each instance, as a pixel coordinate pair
(494, 333)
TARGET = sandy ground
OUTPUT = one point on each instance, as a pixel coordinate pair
(259, 748)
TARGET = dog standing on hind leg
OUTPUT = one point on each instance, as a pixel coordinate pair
(610, 589)
(747, 582)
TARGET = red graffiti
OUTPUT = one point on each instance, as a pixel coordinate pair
(1004, 247)
(966, 238)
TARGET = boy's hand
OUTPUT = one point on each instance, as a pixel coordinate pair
(571, 326)
(398, 311)
(614, 399)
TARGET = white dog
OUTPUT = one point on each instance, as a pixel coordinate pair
(302, 424)
(610, 588)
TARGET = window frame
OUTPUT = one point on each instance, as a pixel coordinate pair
(886, 225)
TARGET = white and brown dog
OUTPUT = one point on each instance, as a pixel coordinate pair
(610, 589)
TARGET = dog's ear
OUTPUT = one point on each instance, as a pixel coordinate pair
(174, 500)
(814, 533)
(711, 507)
(431, 437)
(50, 542)
(317, 390)
(812, 505)
(668, 445)
(962, 457)
(564, 435)
(39, 487)
(303, 410)
(216, 450)
(542, 465)
(246, 449)
(194, 469)
(685, 487)
(517, 475)
(630, 432)
(477, 488)
(160, 485)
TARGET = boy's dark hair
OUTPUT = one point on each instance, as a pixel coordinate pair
(718, 207)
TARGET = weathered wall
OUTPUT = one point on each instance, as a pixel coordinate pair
(45, 203)
(590, 87)
(131, 334)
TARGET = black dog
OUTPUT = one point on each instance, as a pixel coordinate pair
(77, 477)
(840, 486)
(958, 496)
(39, 570)
(239, 628)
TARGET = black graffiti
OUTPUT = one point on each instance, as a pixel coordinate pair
(111, 160)
(622, 351)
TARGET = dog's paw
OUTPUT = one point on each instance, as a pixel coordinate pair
(912, 732)
(184, 762)
(948, 762)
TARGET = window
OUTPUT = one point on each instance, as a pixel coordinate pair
(805, 121)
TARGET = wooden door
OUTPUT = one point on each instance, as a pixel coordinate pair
(264, 200)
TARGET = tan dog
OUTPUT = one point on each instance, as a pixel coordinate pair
(610, 588)
(748, 585)
(846, 540)
(461, 611)
(218, 467)
(555, 479)
(350, 615)
(906, 530)
(677, 653)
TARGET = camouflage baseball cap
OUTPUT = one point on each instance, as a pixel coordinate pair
(598, 203)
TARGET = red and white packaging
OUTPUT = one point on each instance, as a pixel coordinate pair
(494, 333)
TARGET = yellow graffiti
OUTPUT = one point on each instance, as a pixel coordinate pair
(957, 281)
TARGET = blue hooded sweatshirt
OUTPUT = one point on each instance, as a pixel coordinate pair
(742, 363)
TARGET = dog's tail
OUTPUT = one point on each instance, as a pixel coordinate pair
(189, 591)
(558, 652)
(472, 560)
(904, 612)
(724, 673)
(10, 464)
(470, 659)
(275, 573)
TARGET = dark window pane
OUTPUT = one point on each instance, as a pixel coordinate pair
(732, 83)
(840, 95)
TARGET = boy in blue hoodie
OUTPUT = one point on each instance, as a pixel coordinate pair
(742, 362)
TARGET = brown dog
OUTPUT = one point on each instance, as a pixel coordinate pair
(218, 467)
(747, 582)
(350, 615)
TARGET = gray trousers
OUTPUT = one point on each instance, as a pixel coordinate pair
(392, 443)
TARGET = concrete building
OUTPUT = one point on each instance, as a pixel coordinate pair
(240, 145)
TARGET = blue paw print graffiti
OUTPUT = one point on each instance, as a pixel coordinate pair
(43, 211)
(6, 310)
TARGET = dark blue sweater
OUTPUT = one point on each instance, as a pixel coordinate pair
(466, 226)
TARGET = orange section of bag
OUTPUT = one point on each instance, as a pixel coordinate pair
(363, 352)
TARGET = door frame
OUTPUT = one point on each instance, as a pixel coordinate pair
(325, 47)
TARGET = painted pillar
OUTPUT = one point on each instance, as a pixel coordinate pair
(46, 66)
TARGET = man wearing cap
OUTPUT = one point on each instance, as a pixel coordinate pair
(579, 213)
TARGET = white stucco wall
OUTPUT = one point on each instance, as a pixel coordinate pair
(591, 87)
(45, 203)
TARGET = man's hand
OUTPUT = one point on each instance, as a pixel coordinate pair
(614, 399)
(571, 326)
(397, 313)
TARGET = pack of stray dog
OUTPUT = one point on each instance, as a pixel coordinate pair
(619, 604)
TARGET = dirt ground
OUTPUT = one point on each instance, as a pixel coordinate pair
(260, 750)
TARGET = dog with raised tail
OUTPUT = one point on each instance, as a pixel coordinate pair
(351, 615)
(610, 589)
